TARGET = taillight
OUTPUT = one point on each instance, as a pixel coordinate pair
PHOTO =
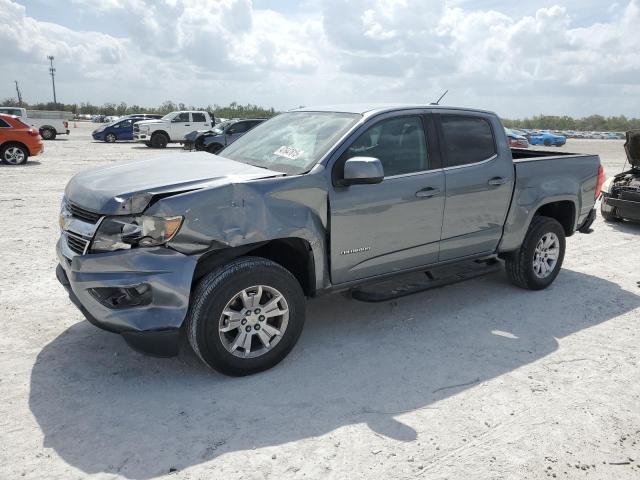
(66, 124)
(600, 181)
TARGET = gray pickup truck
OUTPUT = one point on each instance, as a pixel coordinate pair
(225, 248)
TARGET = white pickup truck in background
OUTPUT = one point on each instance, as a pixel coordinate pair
(49, 123)
(171, 128)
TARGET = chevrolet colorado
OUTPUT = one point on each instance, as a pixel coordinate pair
(226, 248)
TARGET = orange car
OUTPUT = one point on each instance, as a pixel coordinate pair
(18, 141)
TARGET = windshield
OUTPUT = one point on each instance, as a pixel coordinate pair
(219, 128)
(291, 142)
(168, 116)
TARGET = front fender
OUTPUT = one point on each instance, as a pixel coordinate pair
(252, 212)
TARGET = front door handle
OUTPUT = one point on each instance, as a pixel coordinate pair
(497, 181)
(187, 124)
(427, 192)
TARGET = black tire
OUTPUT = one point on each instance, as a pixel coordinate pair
(159, 140)
(48, 133)
(608, 212)
(9, 149)
(547, 143)
(213, 293)
(148, 144)
(214, 148)
(519, 264)
(110, 138)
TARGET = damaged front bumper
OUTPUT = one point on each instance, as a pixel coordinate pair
(142, 294)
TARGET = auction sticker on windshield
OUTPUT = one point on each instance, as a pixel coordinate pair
(291, 153)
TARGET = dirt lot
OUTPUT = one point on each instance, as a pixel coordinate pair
(479, 380)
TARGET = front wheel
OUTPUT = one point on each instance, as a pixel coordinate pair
(214, 148)
(110, 138)
(245, 316)
(159, 140)
(538, 261)
(608, 212)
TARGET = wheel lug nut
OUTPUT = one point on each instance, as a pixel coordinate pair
(248, 328)
(247, 313)
(243, 321)
(261, 318)
(256, 311)
(257, 327)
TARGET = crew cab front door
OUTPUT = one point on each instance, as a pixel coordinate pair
(396, 224)
(180, 126)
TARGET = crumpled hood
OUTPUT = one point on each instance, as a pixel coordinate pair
(632, 147)
(127, 188)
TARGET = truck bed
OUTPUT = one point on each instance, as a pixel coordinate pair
(523, 155)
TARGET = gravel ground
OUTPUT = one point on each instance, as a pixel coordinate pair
(477, 380)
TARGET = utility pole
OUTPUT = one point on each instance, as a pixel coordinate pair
(18, 92)
(52, 71)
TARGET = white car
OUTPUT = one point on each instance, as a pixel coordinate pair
(48, 123)
(171, 128)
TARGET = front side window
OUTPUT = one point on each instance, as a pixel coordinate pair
(291, 142)
(466, 139)
(181, 118)
(199, 117)
(4, 124)
(239, 127)
(399, 143)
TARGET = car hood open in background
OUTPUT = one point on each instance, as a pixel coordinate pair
(632, 147)
(127, 188)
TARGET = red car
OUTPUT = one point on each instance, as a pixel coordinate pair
(18, 141)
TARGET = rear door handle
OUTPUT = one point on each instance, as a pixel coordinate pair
(497, 181)
(427, 192)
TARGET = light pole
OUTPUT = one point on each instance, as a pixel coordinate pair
(52, 71)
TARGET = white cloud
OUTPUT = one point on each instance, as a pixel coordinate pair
(199, 51)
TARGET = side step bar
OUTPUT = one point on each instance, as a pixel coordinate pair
(419, 282)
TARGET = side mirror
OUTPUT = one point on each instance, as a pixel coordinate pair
(362, 171)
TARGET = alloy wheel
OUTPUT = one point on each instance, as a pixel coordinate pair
(254, 321)
(14, 155)
(545, 256)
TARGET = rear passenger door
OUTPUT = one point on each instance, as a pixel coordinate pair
(479, 180)
(199, 121)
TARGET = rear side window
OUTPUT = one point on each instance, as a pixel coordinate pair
(466, 139)
(198, 117)
(4, 124)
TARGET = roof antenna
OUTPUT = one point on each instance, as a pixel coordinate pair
(437, 102)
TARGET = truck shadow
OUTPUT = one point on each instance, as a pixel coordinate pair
(105, 408)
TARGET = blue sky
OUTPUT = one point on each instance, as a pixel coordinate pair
(517, 58)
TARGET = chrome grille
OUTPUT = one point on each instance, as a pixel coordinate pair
(76, 243)
(85, 215)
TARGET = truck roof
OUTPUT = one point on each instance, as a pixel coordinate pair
(375, 108)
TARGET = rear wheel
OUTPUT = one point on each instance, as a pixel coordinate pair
(148, 144)
(547, 143)
(110, 138)
(246, 316)
(159, 140)
(48, 133)
(14, 154)
(538, 261)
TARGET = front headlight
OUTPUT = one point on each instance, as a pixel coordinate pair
(125, 232)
